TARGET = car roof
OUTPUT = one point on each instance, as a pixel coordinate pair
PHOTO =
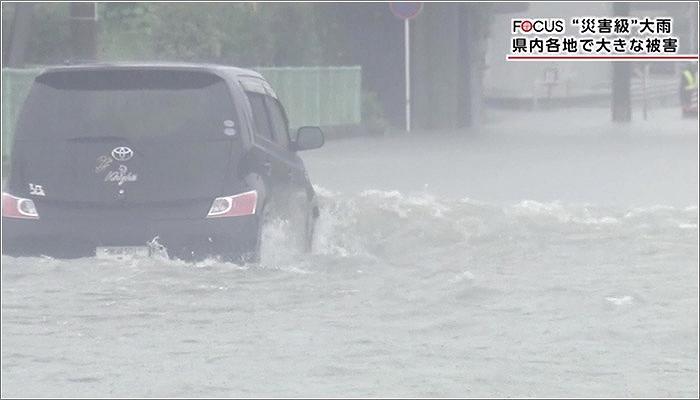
(224, 71)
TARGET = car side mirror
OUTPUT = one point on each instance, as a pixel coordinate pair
(308, 138)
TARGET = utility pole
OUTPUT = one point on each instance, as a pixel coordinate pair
(620, 103)
(19, 35)
(83, 28)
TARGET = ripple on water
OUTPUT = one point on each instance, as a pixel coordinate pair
(457, 297)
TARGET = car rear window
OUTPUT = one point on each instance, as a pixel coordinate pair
(132, 104)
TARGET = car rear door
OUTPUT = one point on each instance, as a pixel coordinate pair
(271, 146)
(293, 164)
(266, 156)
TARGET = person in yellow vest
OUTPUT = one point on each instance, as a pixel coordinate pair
(689, 90)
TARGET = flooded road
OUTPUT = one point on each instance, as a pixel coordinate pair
(508, 262)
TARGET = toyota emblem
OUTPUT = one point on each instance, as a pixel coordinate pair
(122, 153)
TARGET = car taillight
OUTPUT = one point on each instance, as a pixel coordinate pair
(234, 206)
(17, 207)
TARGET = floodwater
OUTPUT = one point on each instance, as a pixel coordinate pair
(529, 259)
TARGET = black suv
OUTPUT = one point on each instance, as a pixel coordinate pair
(115, 160)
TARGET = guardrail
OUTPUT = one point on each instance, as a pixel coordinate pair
(654, 91)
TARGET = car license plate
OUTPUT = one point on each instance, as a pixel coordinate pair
(121, 252)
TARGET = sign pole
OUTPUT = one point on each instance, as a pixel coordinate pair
(407, 51)
(407, 10)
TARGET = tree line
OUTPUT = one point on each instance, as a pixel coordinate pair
(244, 34)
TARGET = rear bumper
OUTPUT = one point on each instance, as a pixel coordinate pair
(184, 238)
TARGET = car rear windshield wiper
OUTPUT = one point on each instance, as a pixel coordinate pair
(97, 139)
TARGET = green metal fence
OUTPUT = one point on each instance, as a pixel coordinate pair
(15, 86)
(318, 96)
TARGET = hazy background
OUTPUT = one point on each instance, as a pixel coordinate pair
(518, 242)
